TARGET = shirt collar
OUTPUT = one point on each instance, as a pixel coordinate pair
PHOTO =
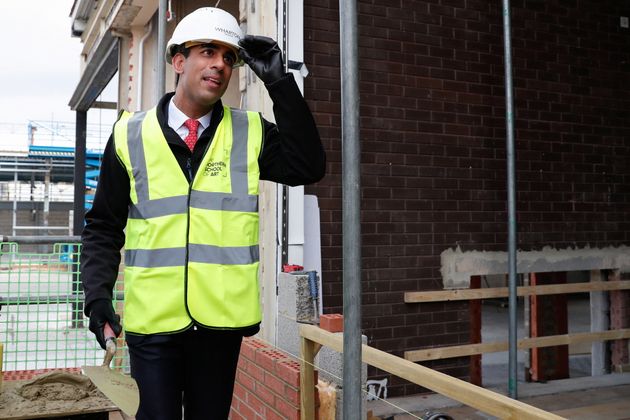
(176, 118)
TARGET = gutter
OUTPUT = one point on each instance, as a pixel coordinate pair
(100, 69)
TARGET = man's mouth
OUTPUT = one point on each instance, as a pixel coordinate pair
(213, 80)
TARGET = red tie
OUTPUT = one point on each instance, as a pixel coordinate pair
(191, 138)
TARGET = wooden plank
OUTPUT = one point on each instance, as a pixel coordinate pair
(500, 292)
(307, 379)
(474, 396)
(525, 343)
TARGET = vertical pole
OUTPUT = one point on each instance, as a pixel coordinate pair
(161, 47)
(1, 358)
(600, 321)
(79, 171)
(511, 187)
(79, 210)
(285, 189)
(527, 326)
(307, 379)
(47, 193)
(351, 153)
(15, 198)
(474, 310)
(46, 211)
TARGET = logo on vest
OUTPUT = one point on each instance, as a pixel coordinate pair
(215, 169)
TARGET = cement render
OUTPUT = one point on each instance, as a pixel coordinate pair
(458, 265)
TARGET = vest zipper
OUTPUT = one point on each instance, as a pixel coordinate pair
(189, 169)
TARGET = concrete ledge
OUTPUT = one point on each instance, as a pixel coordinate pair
(458, 265)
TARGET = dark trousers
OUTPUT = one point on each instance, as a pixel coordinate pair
(194, 369)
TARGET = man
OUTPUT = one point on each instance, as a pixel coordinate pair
(181, 180)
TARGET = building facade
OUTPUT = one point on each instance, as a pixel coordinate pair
(433, 129)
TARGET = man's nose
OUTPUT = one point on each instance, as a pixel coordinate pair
(217, 63)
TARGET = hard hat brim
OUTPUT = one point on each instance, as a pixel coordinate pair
(189, 44)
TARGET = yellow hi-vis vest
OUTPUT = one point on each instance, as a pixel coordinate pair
(191, 249)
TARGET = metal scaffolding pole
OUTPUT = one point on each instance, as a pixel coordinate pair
(161, 47)
(79, 171)
(511, 189)
(79, 207)
(351, 210)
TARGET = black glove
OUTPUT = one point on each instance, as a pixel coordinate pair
(102, 311)
(264, 57)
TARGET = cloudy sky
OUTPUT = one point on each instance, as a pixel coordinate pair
(40, 66)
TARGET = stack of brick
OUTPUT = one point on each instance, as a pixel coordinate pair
(267, 384)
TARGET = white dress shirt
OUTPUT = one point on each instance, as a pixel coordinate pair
(176, 119)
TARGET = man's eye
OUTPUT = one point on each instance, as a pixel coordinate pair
(229, 60)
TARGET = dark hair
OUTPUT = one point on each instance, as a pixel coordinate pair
(180, 49)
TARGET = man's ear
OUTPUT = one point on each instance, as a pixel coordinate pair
(178, 63)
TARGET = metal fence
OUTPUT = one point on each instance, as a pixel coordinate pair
(42, 325)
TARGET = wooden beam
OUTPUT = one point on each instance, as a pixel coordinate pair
(525, 343)
(501, 292)
(104, 105)
(474, 396)
(316, 348)
(307, 379)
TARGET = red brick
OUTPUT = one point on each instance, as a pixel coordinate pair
(266, 359)
(257, 405)
(279, 354)
(255, 342)
(289, 371)
(274, 383)
(265, 394)
(240, 392)
(246, 411)
(273, 415)
(235, 415)
(332, 322)
(256, 372)
(250, 346)
(288, 410)
(245, 380)
(247, 352)
(292, 395)
(242, 364)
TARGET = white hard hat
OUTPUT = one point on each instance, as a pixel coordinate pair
(207, 24)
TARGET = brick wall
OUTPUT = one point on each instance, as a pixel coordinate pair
(267, 384)
(433, 145)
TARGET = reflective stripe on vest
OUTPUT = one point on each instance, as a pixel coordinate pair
(191, 249)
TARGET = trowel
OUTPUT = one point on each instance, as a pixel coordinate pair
(121, 389)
